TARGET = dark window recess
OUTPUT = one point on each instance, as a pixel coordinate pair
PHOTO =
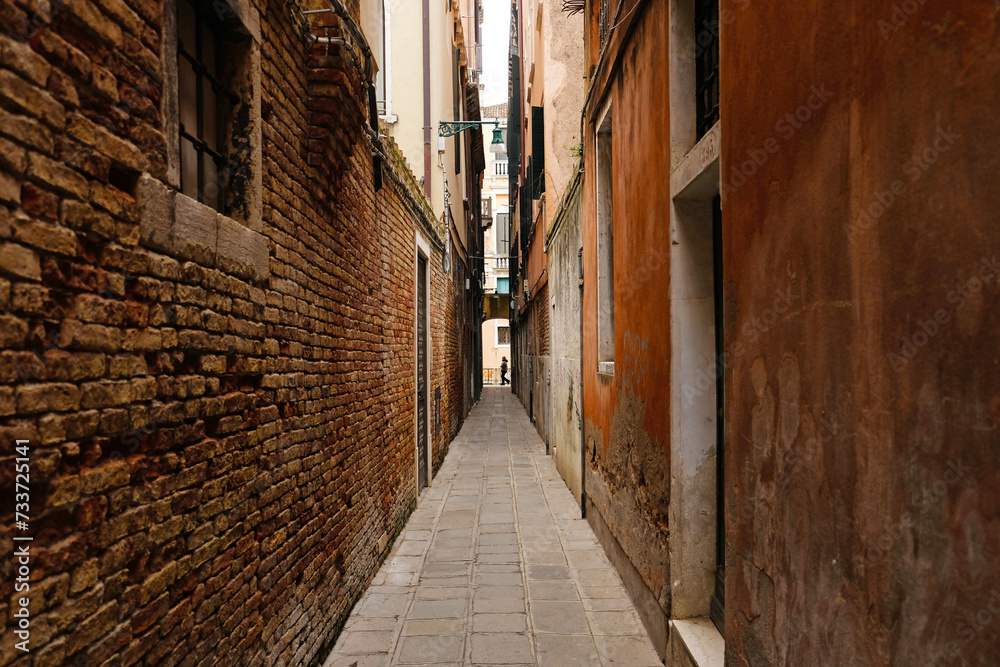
(718, 605)
(123, 178)
(513, 134)
(525, 211)
(530, 177)
(538, 151)
(503, 336)
(706, 32)
(206, 102)
(373, 121)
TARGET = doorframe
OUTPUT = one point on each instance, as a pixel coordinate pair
(422, 249)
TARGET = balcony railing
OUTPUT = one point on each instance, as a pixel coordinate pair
(499, 168)
(491, 376)
(501, 262)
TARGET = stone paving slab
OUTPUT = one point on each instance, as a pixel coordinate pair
(495, 567)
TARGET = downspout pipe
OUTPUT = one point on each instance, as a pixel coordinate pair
(427, 97)
(583, 440)
(357, 37)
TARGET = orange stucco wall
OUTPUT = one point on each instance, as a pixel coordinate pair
(864, 498)
(627, 418)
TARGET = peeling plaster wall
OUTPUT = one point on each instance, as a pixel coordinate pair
(565, 417)
(627, 415)
(863, 508)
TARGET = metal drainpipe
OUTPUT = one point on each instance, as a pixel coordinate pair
(427, 97)
(583, 442)
(358, 37)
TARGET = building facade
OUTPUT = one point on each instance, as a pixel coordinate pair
(431, 58)
(496, 223)
(228, 329)
(547, 89)
(788, 407)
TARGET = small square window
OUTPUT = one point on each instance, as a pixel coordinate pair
(503, 336)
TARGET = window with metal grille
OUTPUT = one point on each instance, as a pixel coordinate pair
(206, 102)
(503, 335)
(706, 19)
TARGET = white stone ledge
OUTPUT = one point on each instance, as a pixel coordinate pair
(700, 160)
(701, 639)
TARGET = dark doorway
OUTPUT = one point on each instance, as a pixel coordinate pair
(421, 373)
(717, 611)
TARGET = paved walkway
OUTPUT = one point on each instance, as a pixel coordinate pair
(495, 566)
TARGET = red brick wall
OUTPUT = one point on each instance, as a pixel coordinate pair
(218, 465)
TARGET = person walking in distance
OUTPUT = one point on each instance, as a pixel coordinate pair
(503, 372)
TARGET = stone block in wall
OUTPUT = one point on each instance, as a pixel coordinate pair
(23, 95)
(180, 226)
(195, 231)
(241, 251)
(156, 216)
(20, 262)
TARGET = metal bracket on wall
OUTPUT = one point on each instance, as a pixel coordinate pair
(451, 128)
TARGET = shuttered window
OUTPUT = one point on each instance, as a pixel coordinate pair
(503, 234)
(538, 151)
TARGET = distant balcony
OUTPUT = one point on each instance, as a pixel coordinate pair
(500, 169)
(501, 262)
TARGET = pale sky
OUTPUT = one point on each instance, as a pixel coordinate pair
(496, 46)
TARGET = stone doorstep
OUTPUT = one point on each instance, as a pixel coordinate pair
(700, 640)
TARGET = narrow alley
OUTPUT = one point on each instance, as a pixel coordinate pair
(474, 332)
(495, 566)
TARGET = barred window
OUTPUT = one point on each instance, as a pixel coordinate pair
(707, 64)
(206, 101)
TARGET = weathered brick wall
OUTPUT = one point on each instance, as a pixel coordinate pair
(220, 456)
